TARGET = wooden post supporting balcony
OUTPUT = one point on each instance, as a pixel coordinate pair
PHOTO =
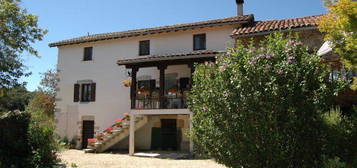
(133, 87)
(132, 135)
(162, 85)
(192, 68)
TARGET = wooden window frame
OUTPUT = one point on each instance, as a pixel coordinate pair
(86, 92)
(142, 51)
(88, 56)
(202, 46)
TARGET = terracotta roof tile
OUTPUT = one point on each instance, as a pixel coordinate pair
(174, 56)
(162, 29)
(272, 25)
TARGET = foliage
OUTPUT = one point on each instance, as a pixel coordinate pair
(74, 165)
(261, 106)
(49, 82)
(330, 2)
(14, 147)
(43, 145)
(334, 163)
(341, 137)
(15, 98)
(66, 144)
(43, 103)
(18, 30)
(42, 138)
(340, 27)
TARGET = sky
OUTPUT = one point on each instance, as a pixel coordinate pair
(66, 19)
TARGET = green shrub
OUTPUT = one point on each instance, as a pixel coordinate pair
(334, 163)
(341, 138)
(73, 143)
(261, 106)
(27, 141)
(42, 140)
(14, 148)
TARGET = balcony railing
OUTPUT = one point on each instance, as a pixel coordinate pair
(171, 100)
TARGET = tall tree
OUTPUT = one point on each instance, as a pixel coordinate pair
(43, 102)
(49, 81)
(18, 29)
(340, 27)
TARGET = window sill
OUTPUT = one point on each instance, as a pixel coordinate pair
(85, 102)
(87, 62)
(199, 49)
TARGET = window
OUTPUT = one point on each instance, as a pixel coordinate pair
(144, 47)
(88, 54)
(199, 42)
(84, 92)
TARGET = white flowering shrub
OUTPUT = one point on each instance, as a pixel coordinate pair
(261, 106)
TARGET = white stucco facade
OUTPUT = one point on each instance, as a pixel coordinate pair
(112, 98)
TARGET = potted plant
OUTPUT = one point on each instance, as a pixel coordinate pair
(92, 141)
(99, 136)
(127, 83)
(109, 130)
(72, 144)
(127, 116)
(119, 123)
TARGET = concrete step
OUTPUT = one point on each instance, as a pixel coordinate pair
(89, 150)
(118, 133)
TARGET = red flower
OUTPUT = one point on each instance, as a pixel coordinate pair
(118, 120)
(109, 129)
(92, 140)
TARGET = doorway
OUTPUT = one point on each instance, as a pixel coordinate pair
(168, 134)
(87, 132)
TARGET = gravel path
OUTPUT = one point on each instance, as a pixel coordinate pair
(108, 160)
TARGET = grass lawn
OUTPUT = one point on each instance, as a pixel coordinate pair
(108, 160)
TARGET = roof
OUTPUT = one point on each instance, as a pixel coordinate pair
(167, 57)
(141, 32)
(274, 25)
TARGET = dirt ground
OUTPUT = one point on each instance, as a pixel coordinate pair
(108, 160)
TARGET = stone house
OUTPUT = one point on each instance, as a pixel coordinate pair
(147, 74)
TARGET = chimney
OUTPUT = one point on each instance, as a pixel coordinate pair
(240, 7)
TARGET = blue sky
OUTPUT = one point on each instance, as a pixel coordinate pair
(72, 18)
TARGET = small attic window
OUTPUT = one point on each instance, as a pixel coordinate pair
(144, 47)
(199, 42)
(88, 54)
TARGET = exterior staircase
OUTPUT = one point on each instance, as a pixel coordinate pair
(112, 137)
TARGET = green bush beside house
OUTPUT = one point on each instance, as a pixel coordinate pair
(262, 106)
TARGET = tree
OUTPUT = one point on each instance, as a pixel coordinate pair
(44, 99)
(330, 2)
(18, 30)
(261, 106)
(340, 27)
(42, 134)
(15, 98)
(43, 104)
(49, 82)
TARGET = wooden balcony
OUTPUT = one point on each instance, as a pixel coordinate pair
(161, 97)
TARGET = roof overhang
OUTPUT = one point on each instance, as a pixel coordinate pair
(273, 31)
(236, 20)
(170, 59)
